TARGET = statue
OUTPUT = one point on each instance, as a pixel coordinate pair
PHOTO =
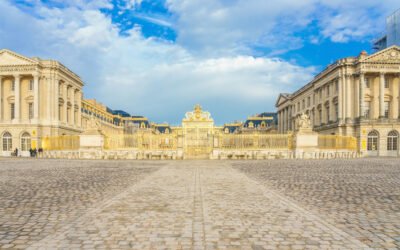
(303, 122)
(93, 123)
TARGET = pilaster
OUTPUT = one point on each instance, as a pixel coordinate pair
(17, 97)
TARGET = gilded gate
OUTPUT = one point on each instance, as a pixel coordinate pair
(198, 132)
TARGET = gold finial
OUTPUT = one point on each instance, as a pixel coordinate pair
(197, 108)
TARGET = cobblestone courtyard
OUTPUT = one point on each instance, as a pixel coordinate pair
(279, 204)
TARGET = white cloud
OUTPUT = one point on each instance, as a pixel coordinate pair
(211, 63)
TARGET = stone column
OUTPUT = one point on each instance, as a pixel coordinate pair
(17, 96)
(36, 96)
(382, 95)
(79, 109)
(49, 83)
(362, 95)
(56, 100)
(285, 120)
(340, 97)
(348, 97)
(279, 122)
(1, 98)
(65, 97)
(73, 107)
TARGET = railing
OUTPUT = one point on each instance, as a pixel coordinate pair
(120, 141)
(337, 142)
(141, 141)
(256, 141)
(62, 142)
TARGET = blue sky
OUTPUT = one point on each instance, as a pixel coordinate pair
(159, 58)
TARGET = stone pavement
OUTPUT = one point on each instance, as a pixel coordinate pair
(48, 204)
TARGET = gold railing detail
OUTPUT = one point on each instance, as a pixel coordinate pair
(337, 142)
(256, 141)
(141, 141)
(62, 142)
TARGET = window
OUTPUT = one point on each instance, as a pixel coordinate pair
(25, 142)
(372, 141)
(387, 109)
(308, 101)
(59, 89)
(367, 82)
(392, 141)
(68, 114)
(386, 83)
(30, 110)
(320, 116)
(320, 94)
(314, 99)
(298, 106)
(337, 86)
(303, 104)
(337, 111)
(13, 85)
(7, 142)
(327, 89)
(367, 110)
(31, 85)
(328, 118)
(60, 112)
(12, 110)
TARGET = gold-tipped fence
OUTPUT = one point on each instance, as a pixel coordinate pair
(62, 142)
(337, 142)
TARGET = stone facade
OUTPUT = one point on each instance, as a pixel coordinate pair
(37, 98)
(355, 96)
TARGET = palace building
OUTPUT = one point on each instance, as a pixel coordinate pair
(42, 100)
(355, 96)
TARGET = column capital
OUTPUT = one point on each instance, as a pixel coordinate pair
(17, 76)
(35, 74)
(382, 73)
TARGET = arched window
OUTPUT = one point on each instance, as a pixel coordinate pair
(25, 141)
(7, 142)
(263, 124)
(392, 141)
(372, 144)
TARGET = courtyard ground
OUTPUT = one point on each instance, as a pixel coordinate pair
(284, 204)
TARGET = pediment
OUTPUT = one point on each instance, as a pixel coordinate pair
(8, 57)
(281, 99)
(389, 55)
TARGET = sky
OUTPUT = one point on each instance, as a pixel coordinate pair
(158, 58)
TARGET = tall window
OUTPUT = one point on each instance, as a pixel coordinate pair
(12, 110)
(392, 141)
(59, 89)
(309, 101)
(327, 90)
(372, 143)
(7, 142)
(31, 85)
(320, 116)
(13, 85)
(387, 109)
(337, 111)
(367, 82)
(320, 94)
(337, 86)
(303, 104)
(68, 112)
(30, 110)
(60, 109)
(387, 83)
(367, 110)
(328, 118)
(25, 142)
